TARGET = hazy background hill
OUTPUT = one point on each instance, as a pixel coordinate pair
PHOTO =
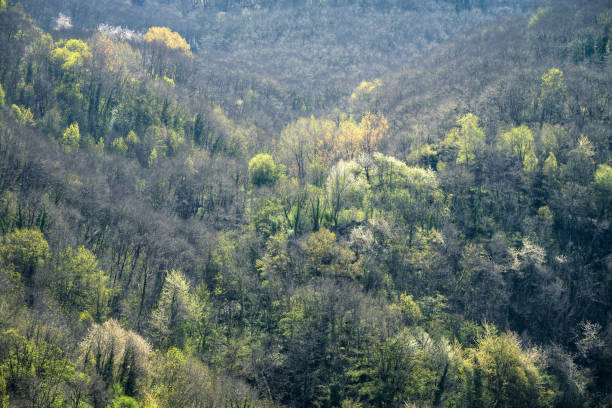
(294, 58)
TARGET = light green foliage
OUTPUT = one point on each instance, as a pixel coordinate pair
(23, 115)
(410, 309)
(119, 145)
(553, 94)
(364, 94)
(263, 170)
(555, 139)
(550, 168)
(365, 88)
(603, 179)
(25, 249)
(2, 102)
(520, 141)
(467, 138)
(71, 53)
(154, 144)
(12, 293)
(34, 368)
(132, 138)
(169, 81)
(183, 381)
(80, 284)
(553, 85)
(412, 193)
(152, 157)
(2, 5)
(175, 313)
(174, 141)
(124, 402)
(603, 184)
(71, 138)
(266, 216)
(325, 257)
(421, 252)
(404, 368)
(509, 374)
(293, 199)
(530, 163)
(276, 260)
(204, 333)
(174, 376)
(4, 397)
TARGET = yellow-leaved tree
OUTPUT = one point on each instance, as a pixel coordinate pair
(167, 53)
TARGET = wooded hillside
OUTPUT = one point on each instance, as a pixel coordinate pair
(227, 219)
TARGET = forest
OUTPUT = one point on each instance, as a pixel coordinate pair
(276, 203)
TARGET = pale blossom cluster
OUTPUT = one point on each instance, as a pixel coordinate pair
(119, 33)
(63, 22)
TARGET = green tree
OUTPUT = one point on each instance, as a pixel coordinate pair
(468, 138)
(266, 216)
(26, 249)
(263, 170)
(410, 309)
(71, 53)
(553, 95)
(603, 180)
(119, 146)
(124, 401)
(550, 168)
(80, 284)
(71, 138)
(402, 369)
(35, 369)
(152, 157)
(509, 374)
(4, 397)
(520, 142)
(23, 115)
(276, 260)
(603, 184)
(325, 257)
(2, 101)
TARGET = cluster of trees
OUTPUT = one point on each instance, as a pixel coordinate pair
(442, 246)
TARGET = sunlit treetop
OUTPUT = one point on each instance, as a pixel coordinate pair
(467, 137)
(71, 53)
(169, 38)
